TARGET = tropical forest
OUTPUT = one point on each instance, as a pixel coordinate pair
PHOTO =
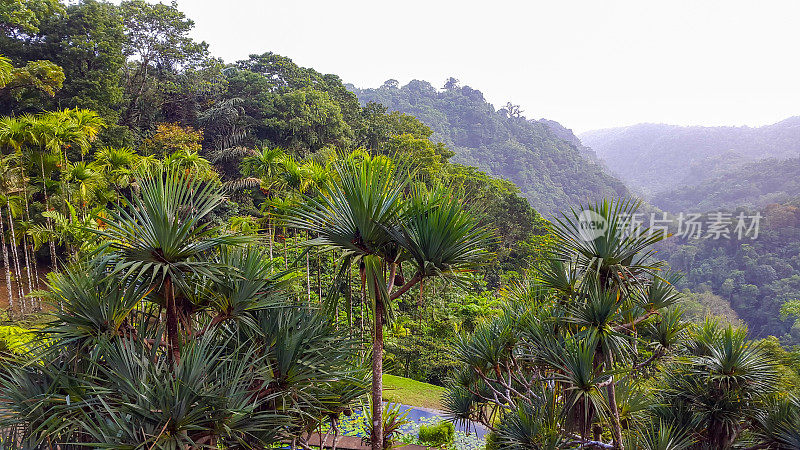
(204, 252)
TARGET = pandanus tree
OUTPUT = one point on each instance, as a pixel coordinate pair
(570, 333)
(371, 214)
(162, 238)
(594, 347)
(249, 369)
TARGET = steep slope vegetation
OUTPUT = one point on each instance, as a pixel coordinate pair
(751, 185)
(550, 171)
(654, 157)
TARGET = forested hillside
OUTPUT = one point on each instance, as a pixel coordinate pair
(752, 185)
(551, 172)
(757, 276)
(653, 157)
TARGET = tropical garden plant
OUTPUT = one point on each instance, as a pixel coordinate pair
(396, 234)
(592, 351)
(176, 334)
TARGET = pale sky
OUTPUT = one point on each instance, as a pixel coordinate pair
(587, 64)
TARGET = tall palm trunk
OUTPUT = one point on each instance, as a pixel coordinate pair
(52, 244)
(616, 425)
(271, 236)
(6, 264)
(376, 435)
(27, 217)
(28, 267)
(15, 256)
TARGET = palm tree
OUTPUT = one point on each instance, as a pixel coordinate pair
(9, 185)
(86, 125)
(88, 182)
(158, 240)
(117, 165)
(366, 216)
(16, 134)
(263, 168)
(614, 268)
(722, 385)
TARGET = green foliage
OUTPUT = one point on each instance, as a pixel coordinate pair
(549, 171)
(14, 339)
(20, 16)
(394, 419)
(247, 370)
(440, 435)
(756, 276)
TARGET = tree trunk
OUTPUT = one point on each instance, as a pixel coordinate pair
(308, 277)
(350, 301)
(27, 263)
(361, 270)
(6, 265)
(377, 378)
(172, 322)
(24, 235)
(271, 237)
(15, 256)
(616, 425)
(53, 261)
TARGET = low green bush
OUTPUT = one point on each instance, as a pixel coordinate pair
(441, 435)
(13, 339)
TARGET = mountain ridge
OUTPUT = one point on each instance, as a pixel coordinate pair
(537, 156)
(652, 158)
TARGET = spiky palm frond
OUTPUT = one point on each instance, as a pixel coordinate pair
(618, 254)
(157, 237)
(90, 307)
(777, 424)
(660, 436)
(251, 283)
(442, 237)
(355, 213)
(531, 427)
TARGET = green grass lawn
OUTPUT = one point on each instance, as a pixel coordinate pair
(410, 392)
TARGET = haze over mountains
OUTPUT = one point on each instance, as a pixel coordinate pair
(656, 158)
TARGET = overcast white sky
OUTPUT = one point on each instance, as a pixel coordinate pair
(588, 64)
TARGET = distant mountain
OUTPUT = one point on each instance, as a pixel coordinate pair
(752, 185)
(653, 158)
(545, 160)
(566, 134)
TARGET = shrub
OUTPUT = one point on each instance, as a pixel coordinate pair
(440, 435)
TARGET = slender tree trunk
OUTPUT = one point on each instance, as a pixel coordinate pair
(377, 363)
(271, 237)
(350, 301)
(616, 425)
(24, 235)
(6, 265)
(420, 302)
(52, 244)
(27, 266)
(15, 256)
(363, 274)
(172, 322)
(308, 277)
(377, 378)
